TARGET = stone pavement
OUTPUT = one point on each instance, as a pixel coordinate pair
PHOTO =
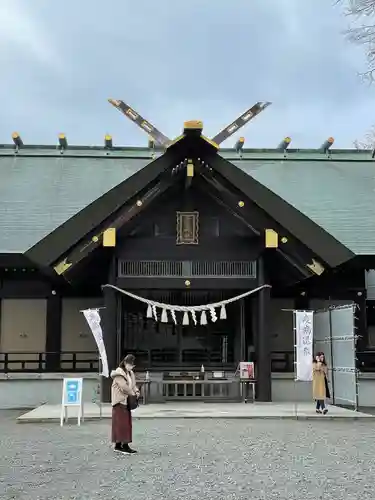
(191, 459)
(303, 411)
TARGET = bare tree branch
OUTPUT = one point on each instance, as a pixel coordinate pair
(368, 142)
(360, 7)
(362, 31)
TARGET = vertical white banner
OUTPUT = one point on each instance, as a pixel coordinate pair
(93, 319)
(304, 345)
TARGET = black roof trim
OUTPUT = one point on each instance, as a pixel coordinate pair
(61, 240)
(15, 260)
(77, 147)
(299, 225)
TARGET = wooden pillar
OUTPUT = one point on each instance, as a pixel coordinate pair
(109, 327)
(302, 303)
(361, 321)
(1, 310)
(264, 340)
(53, 332)
(242, 329)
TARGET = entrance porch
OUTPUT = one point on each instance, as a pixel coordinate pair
(180, 354)
(291, 411)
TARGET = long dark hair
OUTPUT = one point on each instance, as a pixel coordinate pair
(129, 359)
(320, 354)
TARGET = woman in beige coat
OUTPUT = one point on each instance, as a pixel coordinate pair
(320, 383)
(123, 385)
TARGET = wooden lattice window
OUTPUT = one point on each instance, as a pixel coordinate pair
(187, 227)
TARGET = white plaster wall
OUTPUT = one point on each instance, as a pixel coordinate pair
(23, 328)
(76, 335)
(370, 284)
(20, 392)
(286, 389)
(366, 390)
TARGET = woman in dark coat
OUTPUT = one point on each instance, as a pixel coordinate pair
(123, 386)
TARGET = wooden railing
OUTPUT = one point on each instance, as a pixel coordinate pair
(39, 362)
(228, 390)
(186, 269)
(87, 361)
(366, 361)
(171, 357)
(282, 361)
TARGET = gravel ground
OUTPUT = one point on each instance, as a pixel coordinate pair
(189, 459)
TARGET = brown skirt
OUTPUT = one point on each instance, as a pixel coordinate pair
(121, 424)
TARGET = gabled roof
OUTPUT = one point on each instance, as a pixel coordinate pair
(288, 217)
(59, 241)
(38, 194)
(338, 195)
(42, 188)
(65, 247)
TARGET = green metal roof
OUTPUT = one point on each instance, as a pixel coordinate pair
(38, 194)
(41, 188)
(338, 196)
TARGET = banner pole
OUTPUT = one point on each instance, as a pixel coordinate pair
(100, 389)
(303, 324)
(93, 319)
(295, 358)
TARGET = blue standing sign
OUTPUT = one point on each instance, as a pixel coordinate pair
(72, 397)
(72, 392)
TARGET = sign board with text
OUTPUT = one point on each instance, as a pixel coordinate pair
(71, 397)
(246, 370)
(304, 330)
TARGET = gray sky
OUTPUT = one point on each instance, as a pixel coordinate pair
(176, 60)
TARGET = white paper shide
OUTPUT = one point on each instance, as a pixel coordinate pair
(304, 345)
(93, 319)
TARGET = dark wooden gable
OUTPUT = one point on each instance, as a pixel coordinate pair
(324, 245)
(220, 236)
(305, 245)
(80, 235)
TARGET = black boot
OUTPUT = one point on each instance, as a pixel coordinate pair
(118, 448)
(126, 449)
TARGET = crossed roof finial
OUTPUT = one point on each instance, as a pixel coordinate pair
(164, 141)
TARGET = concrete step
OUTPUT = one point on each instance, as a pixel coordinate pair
(293, 411)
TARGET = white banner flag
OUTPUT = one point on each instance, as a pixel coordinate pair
(304, 345)
(93, 319)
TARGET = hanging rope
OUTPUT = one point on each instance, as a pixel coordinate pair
(153, 306)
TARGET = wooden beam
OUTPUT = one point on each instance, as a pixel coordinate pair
(256, 219)
(325, 247)
(264, 386)
(54, 246)
(124, 216)
(302, 302)
(110, 331)
(15, 260)
(24, 289)
(361, 321)
(53, 332)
